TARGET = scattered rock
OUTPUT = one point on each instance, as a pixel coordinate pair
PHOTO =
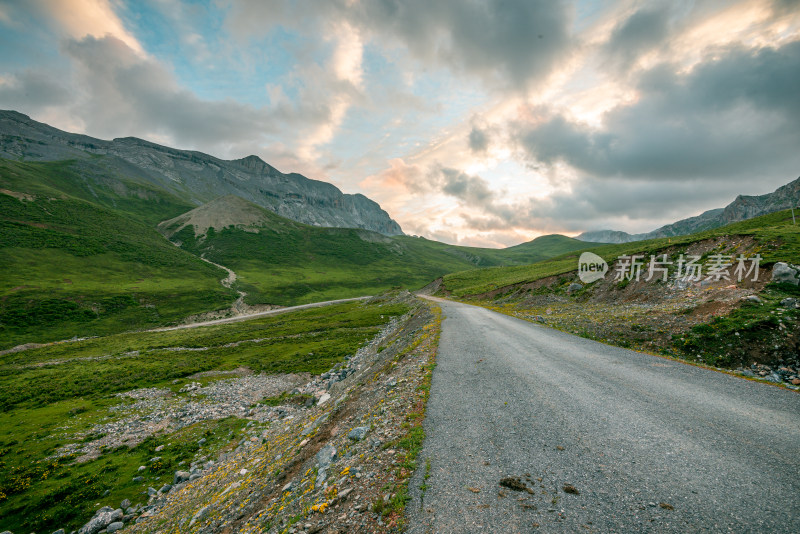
(104, 517)
(201, 514)
(326, 456)
(573, 287)
(666, 506)
(125, 504)
(115, 526)
(569, 488)
(181, 476)
(358, 433)
(474, 490)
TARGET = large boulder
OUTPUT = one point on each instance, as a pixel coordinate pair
(783, 272)
(104, 517)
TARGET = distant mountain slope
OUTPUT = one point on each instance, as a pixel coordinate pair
(744, 207)
(72, 267)
(280, 261)
(193, 177)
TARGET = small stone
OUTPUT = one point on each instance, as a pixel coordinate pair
(651, 504)
(180, 476)
(159, 448)
(142, 468)
(202, 441)
(201, 514)
(326, 455)
(59, 531)
(115, 526)
(165, 488)
(125, 504)
(573, 287)
(358, 433)
(138, 479)
(796, 381)
(151, 491)
(243, 472)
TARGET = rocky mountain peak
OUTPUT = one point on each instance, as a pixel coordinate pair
(193, 176)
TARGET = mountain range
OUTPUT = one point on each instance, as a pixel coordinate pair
(742, 208)
(190, 176)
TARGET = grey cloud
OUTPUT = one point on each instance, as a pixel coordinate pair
(473, 190)
(729, 118)
(643, 31)
(478, 140)
(513, 42)
(32, 90)
(508, 43)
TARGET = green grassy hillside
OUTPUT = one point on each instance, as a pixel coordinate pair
(279, 261)
(81, 255)
(779, 236)
(75, 268)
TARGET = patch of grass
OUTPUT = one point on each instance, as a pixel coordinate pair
(742, 336)
(424, 486)
(286, 398)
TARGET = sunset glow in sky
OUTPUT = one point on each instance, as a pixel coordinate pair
(475, 122)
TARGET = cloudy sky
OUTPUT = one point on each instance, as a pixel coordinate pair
(474, 122)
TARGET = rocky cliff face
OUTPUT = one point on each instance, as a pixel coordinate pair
(744, 207)
(194, 176)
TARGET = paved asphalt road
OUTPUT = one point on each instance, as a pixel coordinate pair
(628, 430)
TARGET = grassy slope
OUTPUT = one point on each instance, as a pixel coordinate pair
(73, 267)
(780, 238)
(287, 263)
(75, 389)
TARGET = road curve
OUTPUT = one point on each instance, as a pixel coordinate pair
(629, 431)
